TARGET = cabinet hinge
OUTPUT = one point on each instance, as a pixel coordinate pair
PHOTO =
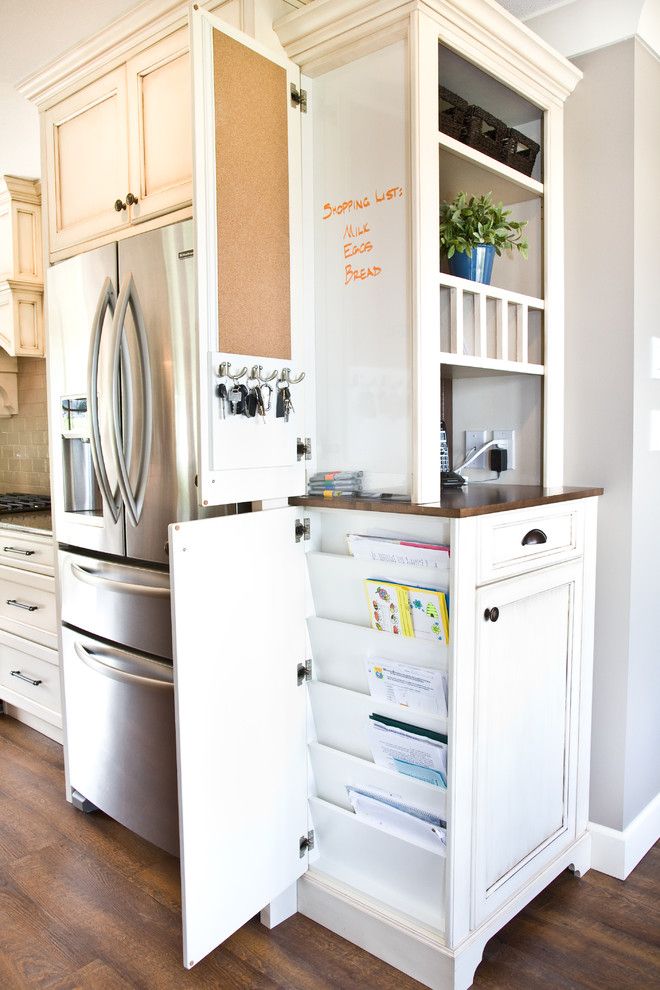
(306, 843)
(303, 530)
(304, 448)
(299, 98)
(304, 672)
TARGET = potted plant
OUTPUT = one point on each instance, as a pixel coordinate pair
(473, 230)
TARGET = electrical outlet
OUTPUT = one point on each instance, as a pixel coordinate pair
(507, 440)
(476, 438)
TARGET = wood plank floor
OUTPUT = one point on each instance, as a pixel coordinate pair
(86, 905)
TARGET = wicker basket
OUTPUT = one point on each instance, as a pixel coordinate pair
(520, 151)
(485, 132)
(451, 113)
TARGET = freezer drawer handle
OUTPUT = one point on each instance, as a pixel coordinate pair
(28, 608)
(23, 677)
(90, 577)
(94, 662)
(26, 553)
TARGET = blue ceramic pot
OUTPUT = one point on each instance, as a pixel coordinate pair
(478, 266)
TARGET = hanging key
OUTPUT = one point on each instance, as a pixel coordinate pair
(237, 396)
(288, 404)
(261, 407)
(223, 395)
(251, 403)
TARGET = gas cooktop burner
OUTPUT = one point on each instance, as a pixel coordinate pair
(17, 502)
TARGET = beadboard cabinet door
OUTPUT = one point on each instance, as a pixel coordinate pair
(160, 127)
(527, 677)
(86, 138)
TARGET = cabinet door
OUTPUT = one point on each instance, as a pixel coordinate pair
(160, 127)
(87, 162)
(527, 704)
(248, 236)
(238, 598)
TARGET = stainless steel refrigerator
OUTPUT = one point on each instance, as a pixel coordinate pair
(122, 395)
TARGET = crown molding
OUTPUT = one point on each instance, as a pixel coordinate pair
(142, 25)
(20, 188)
(318, 38)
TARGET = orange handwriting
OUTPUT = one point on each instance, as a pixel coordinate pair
(351, 232)
(347, 206)
(351, 249)
(360, 274)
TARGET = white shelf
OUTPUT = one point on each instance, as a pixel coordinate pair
(491, 291)
(466, 366)
(462, 168)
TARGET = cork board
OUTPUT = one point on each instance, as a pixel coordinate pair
(252, 190)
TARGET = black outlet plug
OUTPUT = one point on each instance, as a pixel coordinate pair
(498, 459)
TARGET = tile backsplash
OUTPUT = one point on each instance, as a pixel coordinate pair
(24, 437)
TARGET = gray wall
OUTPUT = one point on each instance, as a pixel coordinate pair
(612, 169)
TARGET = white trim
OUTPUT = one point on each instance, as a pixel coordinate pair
(618, 853)
(46, 728)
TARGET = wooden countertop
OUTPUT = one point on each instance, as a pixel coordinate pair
(474, 500)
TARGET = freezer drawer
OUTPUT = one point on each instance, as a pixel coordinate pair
(121, 735)
(121, 602)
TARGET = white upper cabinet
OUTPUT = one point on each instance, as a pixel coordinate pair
(160, 127)
(248, 248)
(87, 162)
(21, 268)
(117, 128)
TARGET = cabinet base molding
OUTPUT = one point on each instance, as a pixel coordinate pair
(618, 853)
(53, 732)
(422, 955)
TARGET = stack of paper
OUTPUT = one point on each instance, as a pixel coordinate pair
(390, 813)
(420, 689)
(329, 483)
(425, 556)
(407, 610)
(409, 750)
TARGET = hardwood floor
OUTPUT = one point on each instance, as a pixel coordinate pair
(86, 905)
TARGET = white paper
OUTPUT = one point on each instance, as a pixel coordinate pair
(428, 832)
(420, 689)
(408, 753)
(423, 556)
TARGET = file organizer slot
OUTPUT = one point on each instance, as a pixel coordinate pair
(389, 869)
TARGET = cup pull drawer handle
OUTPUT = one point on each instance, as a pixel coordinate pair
(22, 677)
(26, 553)
(534, 537)
(28, 608)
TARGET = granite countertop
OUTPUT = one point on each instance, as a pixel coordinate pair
(28, 522)
(474, 500)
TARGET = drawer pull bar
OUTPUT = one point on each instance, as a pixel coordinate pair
(22, 677)
(534, 537)
(26, 553)
(28, 608)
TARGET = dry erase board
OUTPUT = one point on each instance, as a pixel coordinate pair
(252, 194)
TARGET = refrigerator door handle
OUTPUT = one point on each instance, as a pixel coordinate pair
(126, 667)
(133, 499)
(123, 587)
(107, 300)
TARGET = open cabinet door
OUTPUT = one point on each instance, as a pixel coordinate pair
(239, 635)
(248, 217)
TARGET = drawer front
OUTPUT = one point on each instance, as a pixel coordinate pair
(27, 605)
(29, 552)
(29, 680)
(512, 543)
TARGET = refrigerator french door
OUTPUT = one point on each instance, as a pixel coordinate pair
(123, 387)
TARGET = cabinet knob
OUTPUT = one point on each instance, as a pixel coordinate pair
(492, 614)
(119, 205)
(131, 200)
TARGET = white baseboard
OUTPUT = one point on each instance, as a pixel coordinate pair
(618, 853)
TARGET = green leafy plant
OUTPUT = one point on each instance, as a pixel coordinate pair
(464, 223)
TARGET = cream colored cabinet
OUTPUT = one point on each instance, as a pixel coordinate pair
(160, 128)
(21, 268)
(29, 660)
(119, 151)
(86, 139)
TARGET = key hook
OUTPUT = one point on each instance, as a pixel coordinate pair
(286, 377)
(224, 372)
(258, 375)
